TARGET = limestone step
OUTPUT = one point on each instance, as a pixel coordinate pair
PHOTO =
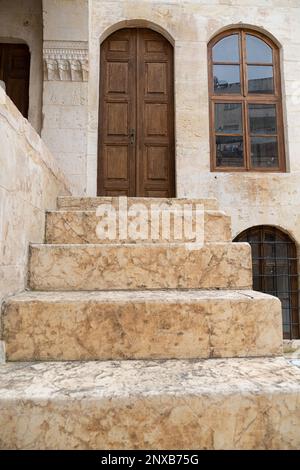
(73, 226)
(204, 404)
(91, 203)
(141, 325)
(147, 266)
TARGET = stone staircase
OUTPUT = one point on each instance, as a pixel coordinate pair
(122, 344)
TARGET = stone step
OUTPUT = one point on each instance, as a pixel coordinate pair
(147, 266)
(91, 203)
(111, 325)
(80, 227)
(205, 404)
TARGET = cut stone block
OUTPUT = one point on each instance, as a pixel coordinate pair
(91, 203)
(80, 227)
(206, 404)
(141, 325)
(147, 266)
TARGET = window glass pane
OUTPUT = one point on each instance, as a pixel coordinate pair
(227, 79)
(227, 50)
(228, 118)
(262, 118)
(264, 152)
(260, 79)
(257, 50)
(229, 151)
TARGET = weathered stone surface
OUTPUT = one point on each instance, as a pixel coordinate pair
(141, 324)
(80, 227)
(30, 181)
(91, 203)
(148, 266)
(23, 20)
(208, 404)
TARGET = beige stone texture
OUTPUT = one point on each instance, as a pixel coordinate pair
(141, 325)
(80, 227)
(2, 352)
(30, 182)
(21, 22)
(65, 20)
(151, 405)
(65, 128)
(148, 266)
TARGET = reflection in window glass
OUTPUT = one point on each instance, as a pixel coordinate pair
(227, 79)
(262, 118)
(258, 51)
(227, 49)
(228, 118)
(264, 152)
(229, 151)
(260, 79)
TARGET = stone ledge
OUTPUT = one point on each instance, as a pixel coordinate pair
(208, 404)
(143, 266)
(141, 325)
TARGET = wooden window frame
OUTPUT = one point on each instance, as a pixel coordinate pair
(246, 99)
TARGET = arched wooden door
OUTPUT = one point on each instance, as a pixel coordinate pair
(136, 115)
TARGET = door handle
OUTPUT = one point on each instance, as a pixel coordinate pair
(132, 136)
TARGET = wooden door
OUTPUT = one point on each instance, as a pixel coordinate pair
(136, 115)
(14, 71)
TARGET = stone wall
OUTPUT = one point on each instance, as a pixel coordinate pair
(21, 21)
(251, 198)
(29, 184)
(65, 52)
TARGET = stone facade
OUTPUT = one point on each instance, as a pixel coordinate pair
(130, 306)
(65, 94)
(71, 96)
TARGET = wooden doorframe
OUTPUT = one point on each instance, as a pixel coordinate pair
(171, 110)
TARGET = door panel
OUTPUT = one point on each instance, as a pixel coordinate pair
(155, 108)
(136, 122)
(116, 163)
(14, 71)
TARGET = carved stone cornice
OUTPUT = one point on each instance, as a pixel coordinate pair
(65, 61)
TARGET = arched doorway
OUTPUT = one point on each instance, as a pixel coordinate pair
(275, 271)
(136, 151)
(14, 72)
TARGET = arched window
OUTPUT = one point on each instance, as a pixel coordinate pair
(274, 259)
(245, 103)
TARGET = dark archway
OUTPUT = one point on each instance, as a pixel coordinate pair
(14, 72)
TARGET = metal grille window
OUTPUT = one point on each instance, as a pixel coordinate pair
(275, 271)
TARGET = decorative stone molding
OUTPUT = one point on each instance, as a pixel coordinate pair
(65, 61)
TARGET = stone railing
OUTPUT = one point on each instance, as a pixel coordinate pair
(30, 182)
